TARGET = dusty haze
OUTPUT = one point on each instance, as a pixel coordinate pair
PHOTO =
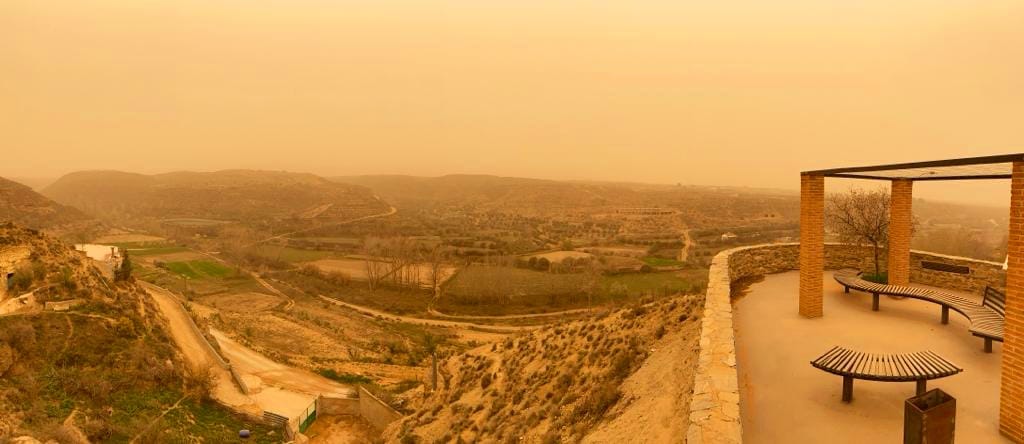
(731, 93)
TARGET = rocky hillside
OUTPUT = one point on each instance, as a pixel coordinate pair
(231, 195)
(623, 377)
(21, 205)
(102, 371)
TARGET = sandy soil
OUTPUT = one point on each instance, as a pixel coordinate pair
(287, 336)
(342, 429)
(242, 302)
(195, 352)
(658, 394)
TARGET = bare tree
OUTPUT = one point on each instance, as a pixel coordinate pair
(436, 269)
(861, 217)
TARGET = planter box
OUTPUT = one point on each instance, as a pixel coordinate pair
(930, 418)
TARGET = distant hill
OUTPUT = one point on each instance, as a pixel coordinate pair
(231, 195)
(498, 192)
(21, 205)
(699, 206)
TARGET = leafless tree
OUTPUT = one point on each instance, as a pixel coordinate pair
(435, 261)
(861, 217)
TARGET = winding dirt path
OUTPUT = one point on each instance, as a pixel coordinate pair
(684, 253)
(434, 312)
(428, 322)
(390, 211)
(197, 354)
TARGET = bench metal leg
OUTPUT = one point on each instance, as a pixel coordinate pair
(945, 314)
(847, 388)
(922, 386)
(988, 345)
(846, 289)
(874, 302)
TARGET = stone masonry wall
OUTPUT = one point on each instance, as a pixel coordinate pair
(715, 407)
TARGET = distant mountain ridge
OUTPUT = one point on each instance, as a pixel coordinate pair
(497, 191)
(25, 207)
(240, 195)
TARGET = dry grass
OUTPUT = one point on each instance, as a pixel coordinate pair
(553, 385)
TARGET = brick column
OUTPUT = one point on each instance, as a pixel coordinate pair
(1011, 397)
(812, 244)
(900, 221)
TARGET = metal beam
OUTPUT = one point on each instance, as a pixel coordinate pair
(984, 160)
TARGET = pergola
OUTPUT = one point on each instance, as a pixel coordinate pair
(902, 177)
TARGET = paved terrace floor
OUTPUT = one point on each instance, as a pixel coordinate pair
(785, 400)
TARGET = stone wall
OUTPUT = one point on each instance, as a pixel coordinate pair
(328, 405)
(982, 273)
(375, 411)
(715, 407)
(776, 258)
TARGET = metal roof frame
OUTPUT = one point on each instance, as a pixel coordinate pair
(954, 165)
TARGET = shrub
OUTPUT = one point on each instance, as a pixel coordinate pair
(598, 401)
(344, 378)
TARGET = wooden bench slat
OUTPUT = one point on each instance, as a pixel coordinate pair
(881, 366)
(987, 319)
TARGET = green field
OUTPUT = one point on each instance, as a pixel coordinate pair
(200, 269)
(504, 290)
(647, 283)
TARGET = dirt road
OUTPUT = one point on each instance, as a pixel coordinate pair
(277, 387)
(549, 314)
(684, 253)
(390, 211)
(429, 322)
(195, 351)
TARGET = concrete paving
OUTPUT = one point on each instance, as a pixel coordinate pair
(784, 399)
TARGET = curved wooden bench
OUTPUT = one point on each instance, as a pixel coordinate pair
(910, 367)
(987, 319)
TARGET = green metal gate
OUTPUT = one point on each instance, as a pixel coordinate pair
(307, 417)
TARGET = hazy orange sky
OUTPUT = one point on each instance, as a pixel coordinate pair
(722, 92)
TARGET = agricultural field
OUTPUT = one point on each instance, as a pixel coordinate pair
(655, 261)
(559, 256)
(128, 238)
(627, 251)
(355, 269)
(292, 254)
(199, 269)
(195, 222)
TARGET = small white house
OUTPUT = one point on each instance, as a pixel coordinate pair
(729, 236)
(108, 257)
